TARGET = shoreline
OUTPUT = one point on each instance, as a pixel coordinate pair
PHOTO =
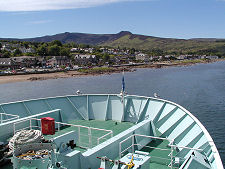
(69, 74)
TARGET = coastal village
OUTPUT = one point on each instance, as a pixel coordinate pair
(27, 57)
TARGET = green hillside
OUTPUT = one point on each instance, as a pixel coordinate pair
(168, 45)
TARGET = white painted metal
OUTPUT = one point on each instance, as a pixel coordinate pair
(113, 111)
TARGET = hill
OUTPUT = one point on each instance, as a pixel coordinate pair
(126, 39)
(167, 44)
(80, 38)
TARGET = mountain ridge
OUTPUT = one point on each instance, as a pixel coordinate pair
(73, 36)
(126, 39)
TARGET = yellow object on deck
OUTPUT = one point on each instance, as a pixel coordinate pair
(131, 163)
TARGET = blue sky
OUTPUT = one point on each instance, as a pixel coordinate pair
(161, 18)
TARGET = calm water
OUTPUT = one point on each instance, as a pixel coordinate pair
(199, 88)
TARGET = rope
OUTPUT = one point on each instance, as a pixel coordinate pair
(25, 137)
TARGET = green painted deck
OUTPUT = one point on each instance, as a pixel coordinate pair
(160, 159)
(116, 127)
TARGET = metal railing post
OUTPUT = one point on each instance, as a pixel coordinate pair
(58, 127)
(133, 144)
(98, 141)
(89, 134)
(171, 155)
(1, 118)
(120, 150)
(30, 124)
(79, 136)
(41, 125)
(14, 128)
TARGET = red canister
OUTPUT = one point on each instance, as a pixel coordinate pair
(48, 125)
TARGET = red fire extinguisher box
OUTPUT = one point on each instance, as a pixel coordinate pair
(48, 126)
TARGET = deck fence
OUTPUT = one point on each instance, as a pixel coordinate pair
(88, 137)
(7, 117)
(172, 161)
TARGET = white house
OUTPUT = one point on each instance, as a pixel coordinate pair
(84, 59)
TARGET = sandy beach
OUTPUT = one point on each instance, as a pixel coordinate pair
(33, 77)
(56, 75)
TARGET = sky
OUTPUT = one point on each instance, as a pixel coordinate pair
(161, 18)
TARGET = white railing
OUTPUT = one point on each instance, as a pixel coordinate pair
(103, 137)
(30, 126)
(8, 117)
(172, 160)
(88, 133)
(32, 117)
(84, 132)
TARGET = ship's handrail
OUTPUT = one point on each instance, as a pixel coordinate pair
(110, 132)
(30, 118)
(103, 137)
(59, 124)
(171, 145)
(14, 117)
(216, 155)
